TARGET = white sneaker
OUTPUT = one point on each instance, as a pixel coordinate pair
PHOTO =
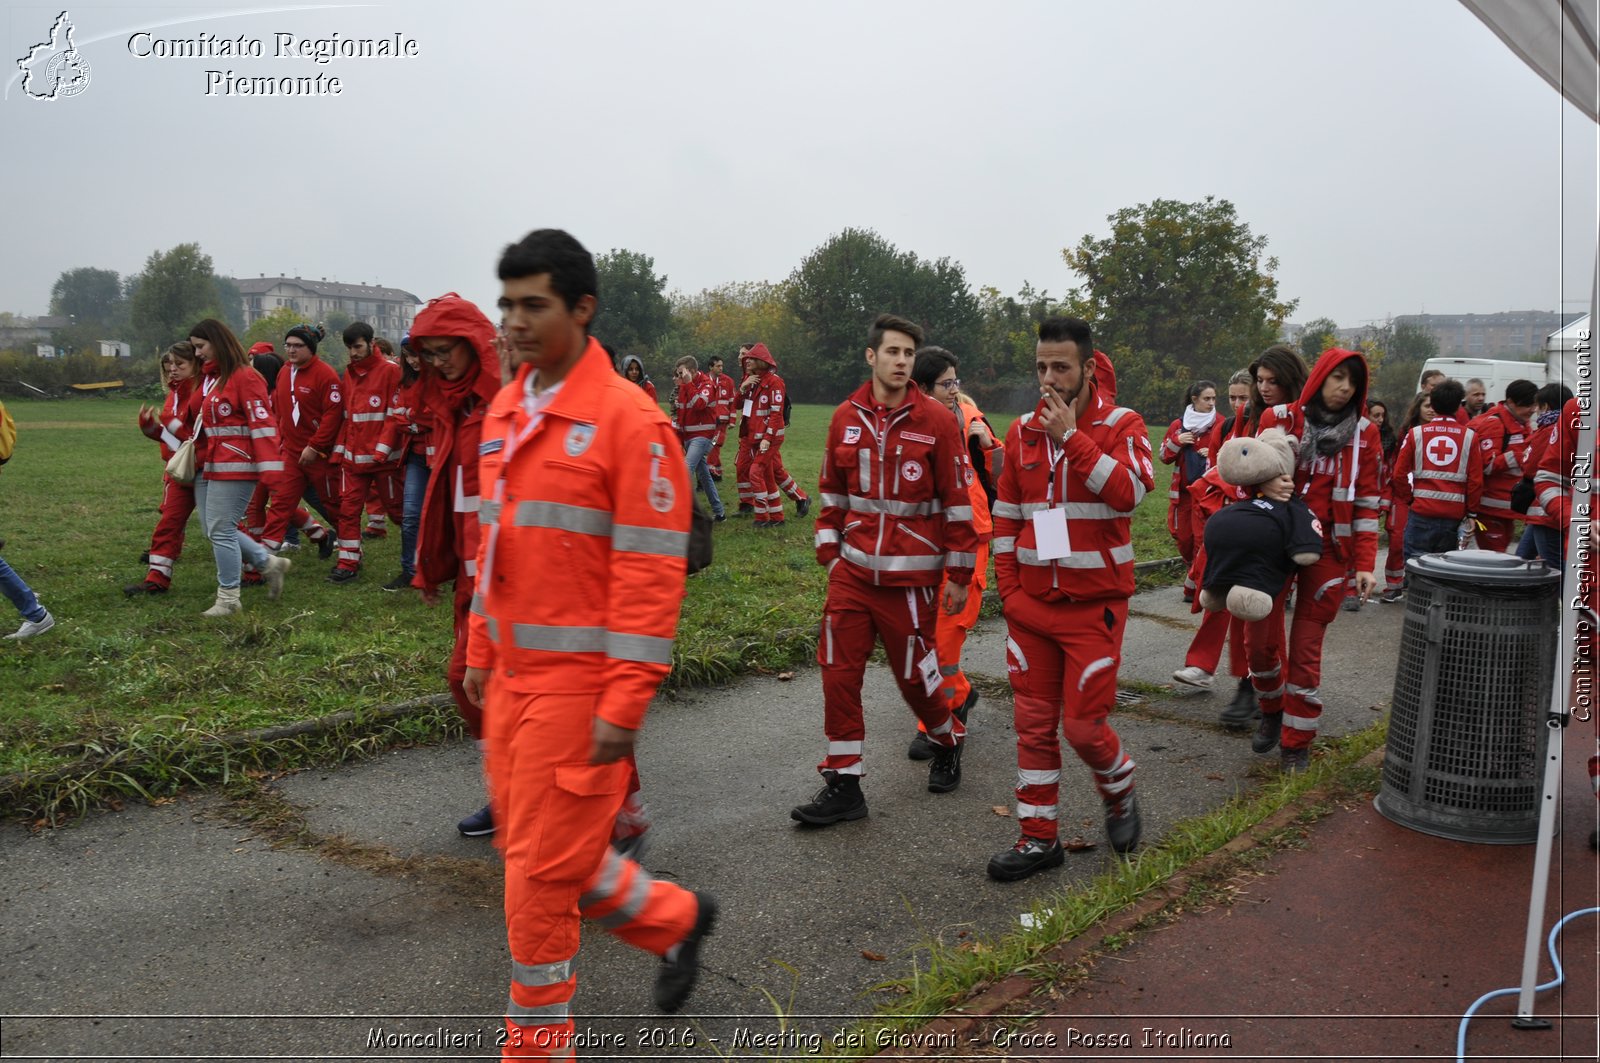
(273, 576)
(31, 628)
(1194, 676)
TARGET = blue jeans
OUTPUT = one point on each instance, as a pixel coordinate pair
(14, 587)
(699, 447)
(1430, 535)
(1543, 544)
(221, 503)
(411, 512)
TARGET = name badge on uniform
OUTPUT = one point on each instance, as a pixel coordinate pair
(748, 408)
(1050, 534)
(929, 668)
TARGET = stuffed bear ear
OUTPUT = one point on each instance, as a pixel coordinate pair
(1211, 601)
(1249, 605)
(1306, 559)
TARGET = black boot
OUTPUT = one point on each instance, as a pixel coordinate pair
(678, 975)
(944, 774)
(1123, 824)
(1243, 709)
(1024, 858)
(840, 799)
(920, 748)
(1265, 740)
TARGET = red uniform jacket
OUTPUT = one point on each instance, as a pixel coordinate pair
(727, 394)
(694, 409)
(406, 425)
(894, 486)
(238, 440)
(1552, 484)
(368, 386)
(1098, 477)
(173, 411)
(314, 392)
(593, 493)
(1342, 490)
(1438, 472)
(1532, 458)
(1502, 438)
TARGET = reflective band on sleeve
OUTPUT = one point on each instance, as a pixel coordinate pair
(637, 540)
(581, 519)
(543, 1015)
(1117, 413)
(1035, 811)
(1370, 501)
(470, 566)
(646, 649)
(826, 536)
(958, 513)
(538, 974)
(1004, 544)
(1008, 510)
(172, 441)
(921, 563)
(360, 459)
(559, 639)
(1101, 473)
(489, 512)
(957, 560)
(262, 433)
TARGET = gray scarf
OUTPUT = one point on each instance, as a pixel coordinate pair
(1327, 433)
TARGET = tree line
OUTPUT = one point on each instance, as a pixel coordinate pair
(1176, 292)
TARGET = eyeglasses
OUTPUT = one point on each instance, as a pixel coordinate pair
(948, 385)
(293, 345)
(430, 354)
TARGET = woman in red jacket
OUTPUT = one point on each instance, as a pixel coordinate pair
(406, 438)
(1182, 449)
(181, 366)
(237, 445)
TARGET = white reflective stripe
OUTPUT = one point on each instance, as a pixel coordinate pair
(646, 649)
(172, 441)
(262, 433)
(1441, 496)
(958, 513)
(921, 563)
(562, 517)
(470, 566)
(383, 450)
(228, 430)
(1117, 413)
(1015, 652)
(954, 559)
(894, 507)
(175, 424)
(826, 535)
(606, 884)
(1003, 544)
(1123, 554)
(629, 538)
(1299, 723)
(1101, 473)
(1495, 503)
(1341, 531)
(1327, 586)
(1138, 484)
(1544, 476)
(1035, 811)
(360, 459)
(1267, 675)
(1367, 525)
(1008, 510)
(1344, 494)
(1037, 777)
(844, 749)
(559, 639)
(367, 416)
(244, 466)
(1308, 693)
(489, 512)
(1276, 692)
(538, 974)
(543, 1015)
(1094, 669)
(838, 501)
(638, 895)
(1030, 557)
(1370, 501)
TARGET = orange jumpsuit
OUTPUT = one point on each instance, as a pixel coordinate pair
(586, 484)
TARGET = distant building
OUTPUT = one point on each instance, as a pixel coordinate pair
(115, 349)
(388, 310)
(22, 332)
(1513, 334)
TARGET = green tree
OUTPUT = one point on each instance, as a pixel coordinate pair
(1318, 337)
(175, 289)
(271, 327)
(1010, 335)
(1405, 347)
(717, 320)
(1187, 281)
(230, 300)
(634, 315)
(839, 288)
(87, 295)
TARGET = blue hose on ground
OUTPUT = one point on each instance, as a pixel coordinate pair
(1561, 976)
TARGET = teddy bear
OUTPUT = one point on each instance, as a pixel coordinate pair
(1253, 546)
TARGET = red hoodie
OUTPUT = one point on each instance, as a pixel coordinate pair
(1342, 489)
(447, 537)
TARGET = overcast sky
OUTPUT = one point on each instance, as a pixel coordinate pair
(1396, 154)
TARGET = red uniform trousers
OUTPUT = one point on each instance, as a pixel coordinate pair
(1183, 526)
(166, 542)
(385, 500)
(1289, 683)
(471, 714)
(951, 635)
(1495, 534)
(854, 617)
(1062, 659)
(355, 486)
(714, 457)
(255, 515)
(741, 472)
(1205, 650)
(555, 811)
(286, 489)
(769, 482)
(1394, 563)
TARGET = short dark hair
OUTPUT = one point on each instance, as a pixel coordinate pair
(556, 252)
(1447, 397)
(715, 359)
(687, 362)
(1198, 387)
(1522, 392)
(1431, 374)
(1059, 328)
(893, 323)
(357, 330)
(1553, 395)
(930, 366)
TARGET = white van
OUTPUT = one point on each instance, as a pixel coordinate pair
(1495, 373)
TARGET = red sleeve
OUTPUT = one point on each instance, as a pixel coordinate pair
(1364, 519)
(332, 396)
(1474, 481)
(1400, 479)
(834, 490)
(1121, 475)
(1007, 512)
(1170, 447)
(391, 441)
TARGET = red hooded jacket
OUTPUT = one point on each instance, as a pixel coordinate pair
(447, 537)
(762, 405)
(368, 386)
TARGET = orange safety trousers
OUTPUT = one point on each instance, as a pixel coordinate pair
(951, 635)
(555, 812)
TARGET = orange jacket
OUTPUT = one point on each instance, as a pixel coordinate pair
(982, 520)
(368, 386)
(585, 520)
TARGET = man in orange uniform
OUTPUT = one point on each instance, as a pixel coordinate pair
(896, 522)
(1076, 468)
(581, 476)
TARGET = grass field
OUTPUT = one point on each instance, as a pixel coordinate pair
(78, 502)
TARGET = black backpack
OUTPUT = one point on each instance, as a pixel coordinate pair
(699, 537)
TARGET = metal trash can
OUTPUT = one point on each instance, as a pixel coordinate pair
(1465, 755)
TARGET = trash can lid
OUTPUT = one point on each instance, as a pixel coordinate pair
(1484, 566)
